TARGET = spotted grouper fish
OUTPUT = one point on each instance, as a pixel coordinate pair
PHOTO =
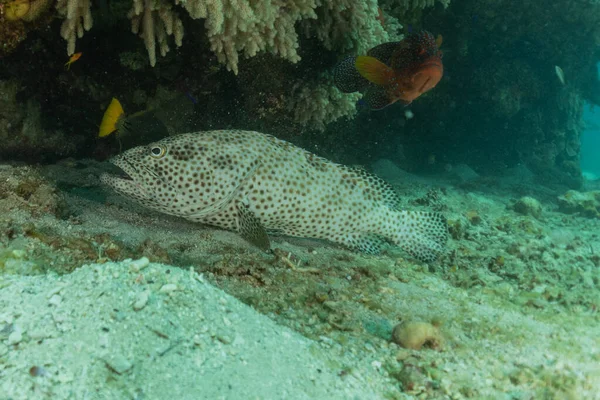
(254, 183)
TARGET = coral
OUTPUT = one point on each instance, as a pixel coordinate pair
(528, 206)
(158, 21)
(11, 34)
(12, 15)
(414, 335)
(26, 10)
(408, 9)
(78, 18)
(350, 25)
(25, 189)
(239, 26)
(16, 9)
(132, 60)
(587, 203)
(21, 132)
(416, 4)
(36, 9)
(316, 106)
(235, 26)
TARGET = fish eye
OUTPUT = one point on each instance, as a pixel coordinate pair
(158, 151)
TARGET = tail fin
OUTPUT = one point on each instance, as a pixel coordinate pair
(421, 234)
(111, 116)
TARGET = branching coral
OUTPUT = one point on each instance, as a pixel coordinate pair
(317, 106)
(36, 9)
(239, 26)
(13, 14)
(348, 25)
(78, 18)
(158, 22)
(245, 27)
(418, 4)
(11, 35)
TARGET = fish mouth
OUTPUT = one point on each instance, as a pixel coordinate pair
(122, 174)
(118, 172)
(121, 170)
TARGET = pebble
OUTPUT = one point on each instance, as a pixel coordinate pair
(118, 363)
(18, 253)
(15, 337)
(225, 339)
(402, 355)
(528, 206)
(141, 300)
(138, 265)
(56, 290)
(55, 300)
(38, 334)
(168, 288)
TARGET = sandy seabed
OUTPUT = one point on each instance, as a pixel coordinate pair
(100, 299)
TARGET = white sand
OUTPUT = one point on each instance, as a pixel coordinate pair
(106, 332)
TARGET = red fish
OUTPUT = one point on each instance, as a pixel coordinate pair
(395, 71)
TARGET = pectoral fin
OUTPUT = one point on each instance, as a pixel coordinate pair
(221, 204)
(250, 228)
(374, 70)
(377, 98)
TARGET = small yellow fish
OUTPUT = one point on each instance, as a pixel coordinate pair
(115, 120)
(131, 129)
(72, 59)
(110, 120)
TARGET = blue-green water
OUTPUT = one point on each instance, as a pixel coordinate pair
(590, 138)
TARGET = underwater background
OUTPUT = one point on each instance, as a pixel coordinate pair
(590, 140)
(482, 113)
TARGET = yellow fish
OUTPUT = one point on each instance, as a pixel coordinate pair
(115, 120)
(110, 121)
(130, 129)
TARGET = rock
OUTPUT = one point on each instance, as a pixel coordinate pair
(389, 171)
(463, 173)
(528, 206)
(585, 203)
(138, 265)
(168, 288)
(15, 337)
(519, 174)
(414, 335)
(141, 300)
(118, 363)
